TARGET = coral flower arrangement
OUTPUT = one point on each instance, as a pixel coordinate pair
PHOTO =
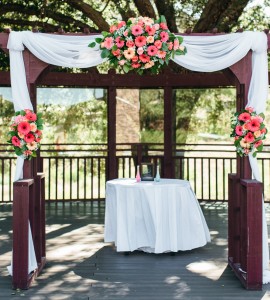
(25, 133)
(248, 131)
(140, 44)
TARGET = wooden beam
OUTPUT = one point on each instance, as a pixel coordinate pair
(189, 80)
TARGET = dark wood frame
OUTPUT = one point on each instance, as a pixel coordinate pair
(145, 177)
(244, 193)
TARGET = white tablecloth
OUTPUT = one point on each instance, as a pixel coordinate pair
(153, 216)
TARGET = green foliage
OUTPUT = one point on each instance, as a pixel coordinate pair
(84, 122)
(203, 115)
(255, 17)
(151, 115)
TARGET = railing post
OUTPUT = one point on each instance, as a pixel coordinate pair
(28, 207)
(23, 193)
(247, 263)
(234, 218)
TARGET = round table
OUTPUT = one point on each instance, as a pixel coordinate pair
(153, 216)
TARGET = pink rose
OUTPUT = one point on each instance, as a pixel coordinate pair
(163, 26)
(158, 44)
(108, 42)
(170, 45)
(164, 36)
(121, 62)
(140, 50)
(239, 130)
(136, 30)
(113, 28)
(152, 50)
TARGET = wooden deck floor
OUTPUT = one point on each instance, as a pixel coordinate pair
(80, 266)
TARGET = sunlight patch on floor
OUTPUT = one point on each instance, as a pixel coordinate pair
(55, 227)
(209, 269)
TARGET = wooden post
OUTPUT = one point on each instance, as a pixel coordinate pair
(23, 194)
(112, 165)
(168, 170)
(29, 192)
(245, 203)
(234, 219)
(249, 266)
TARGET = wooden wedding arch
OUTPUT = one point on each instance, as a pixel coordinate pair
(245, 209)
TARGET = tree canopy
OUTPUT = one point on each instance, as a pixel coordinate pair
(97, 16)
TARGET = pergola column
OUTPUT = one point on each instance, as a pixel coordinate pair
(168, 133)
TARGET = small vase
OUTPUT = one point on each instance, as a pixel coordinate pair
(157, 178)
(138, 177)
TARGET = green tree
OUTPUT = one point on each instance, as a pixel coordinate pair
(96, 16)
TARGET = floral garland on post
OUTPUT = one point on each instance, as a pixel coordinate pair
(139, 44)
(25, 133)
(248, 131)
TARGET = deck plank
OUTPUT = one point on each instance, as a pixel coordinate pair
(81, 266)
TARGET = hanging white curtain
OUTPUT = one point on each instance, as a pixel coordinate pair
(204, 54)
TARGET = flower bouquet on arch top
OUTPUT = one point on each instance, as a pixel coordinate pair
(25, 133)
(139, 44)
(248, 131)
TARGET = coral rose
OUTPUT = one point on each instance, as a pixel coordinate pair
(29, 138)
(24, 127)
(244, 117)
(249, 138)
(135, 65)
(254, 125)
(15, 141)
(130, 44)
(31, 116)
(140, 41)
(258, 143)
(144, 58)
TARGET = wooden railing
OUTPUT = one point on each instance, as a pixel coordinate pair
(78, 172)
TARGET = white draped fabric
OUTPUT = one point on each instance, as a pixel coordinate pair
(204, 54)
